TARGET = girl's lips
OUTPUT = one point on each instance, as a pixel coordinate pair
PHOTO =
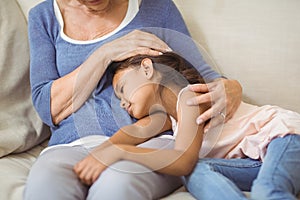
(129, 110)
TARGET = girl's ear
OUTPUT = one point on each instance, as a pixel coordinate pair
(147, 68)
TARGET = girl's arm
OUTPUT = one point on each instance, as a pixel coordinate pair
(178, 161)
(140, 131)
(109, 152)
(182, 159)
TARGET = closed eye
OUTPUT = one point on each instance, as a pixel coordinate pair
(117, 95)
(119, 90)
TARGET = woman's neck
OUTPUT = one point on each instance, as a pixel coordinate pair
(81, 24)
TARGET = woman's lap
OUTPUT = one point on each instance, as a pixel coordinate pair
(128, 180)
(52, 177)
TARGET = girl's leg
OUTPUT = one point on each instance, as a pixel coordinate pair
(52, 177)
(215, 179)
(279, 177)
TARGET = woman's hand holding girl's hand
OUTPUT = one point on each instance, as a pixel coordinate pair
(134, 43)
(225, 97)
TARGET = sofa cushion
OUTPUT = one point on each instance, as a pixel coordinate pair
(14, 169)
(20, 126)
(26, 5)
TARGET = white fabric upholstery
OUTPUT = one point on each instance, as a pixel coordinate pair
(20, 126)
(14, 169)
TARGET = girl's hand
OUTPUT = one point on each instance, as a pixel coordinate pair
(134, 43)
(224, 95)
(90, 168)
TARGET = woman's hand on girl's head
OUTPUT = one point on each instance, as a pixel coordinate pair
(224, 95)
(134, 43)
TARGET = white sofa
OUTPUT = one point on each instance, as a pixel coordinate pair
(256, 42)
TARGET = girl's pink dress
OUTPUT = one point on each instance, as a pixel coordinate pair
(249, 132)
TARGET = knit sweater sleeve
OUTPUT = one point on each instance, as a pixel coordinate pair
(43, 69)
(174, 19)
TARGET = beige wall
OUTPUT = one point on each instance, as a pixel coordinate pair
(256, 42)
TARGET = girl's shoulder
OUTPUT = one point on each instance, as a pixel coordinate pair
(184, 95)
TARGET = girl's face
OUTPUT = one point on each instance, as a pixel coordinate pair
(136, 90)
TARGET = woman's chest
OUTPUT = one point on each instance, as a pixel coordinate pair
(70, 56)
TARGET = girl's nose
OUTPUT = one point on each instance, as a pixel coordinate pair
(123, 103)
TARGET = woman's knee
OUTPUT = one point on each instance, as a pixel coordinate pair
(52, 176)
(57, 162)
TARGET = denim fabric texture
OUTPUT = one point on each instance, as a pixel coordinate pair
(277, 177)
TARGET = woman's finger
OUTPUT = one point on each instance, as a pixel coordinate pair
(200, 88)
(205, 116)
(203, 98)
(217, 113)
(224, 95)
(213, 111)
(210, 113)
(210, 89)
(138, 38)
(215, 121)
(150, 40)
(137, 51)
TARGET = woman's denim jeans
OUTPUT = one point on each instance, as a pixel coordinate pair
(278, 177)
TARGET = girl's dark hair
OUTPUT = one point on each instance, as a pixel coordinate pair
(168, 64)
